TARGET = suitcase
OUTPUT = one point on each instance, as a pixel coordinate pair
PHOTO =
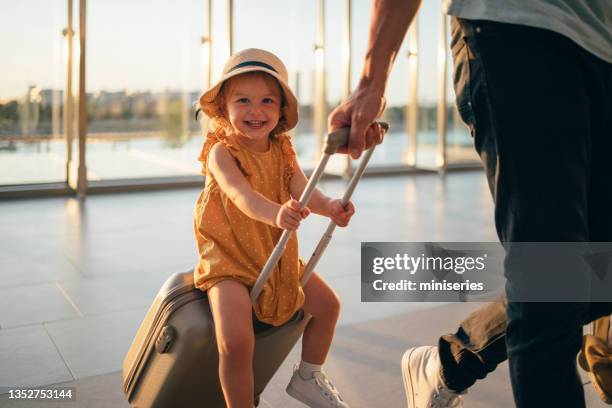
(173, 360)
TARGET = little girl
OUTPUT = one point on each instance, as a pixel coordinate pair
(252, 182)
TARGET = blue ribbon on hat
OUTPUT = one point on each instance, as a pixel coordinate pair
(253, 63)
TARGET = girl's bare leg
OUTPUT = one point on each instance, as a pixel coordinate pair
(324, 306)
(231, 309)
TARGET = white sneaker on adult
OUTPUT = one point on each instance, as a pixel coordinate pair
(422, 381)
(316, 392)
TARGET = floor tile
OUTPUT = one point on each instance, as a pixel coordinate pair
(36, 269)
(96, 345)
(29, 358)
(31, 304)
(354, 311)
(100, 296)
(101, 391)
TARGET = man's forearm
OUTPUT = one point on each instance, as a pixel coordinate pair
(388, 25)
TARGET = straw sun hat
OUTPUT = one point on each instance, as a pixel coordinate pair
(252, 60)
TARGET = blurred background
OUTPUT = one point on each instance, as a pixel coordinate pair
(97, 95)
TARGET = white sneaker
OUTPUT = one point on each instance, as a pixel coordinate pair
(316, 392)
(422, 382)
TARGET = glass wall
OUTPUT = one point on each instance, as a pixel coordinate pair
(428, 84)
(394, 150)
(292, 39)
(32, 149)
(143, 75)
(336, 54)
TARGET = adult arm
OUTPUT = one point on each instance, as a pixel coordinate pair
(389, 22)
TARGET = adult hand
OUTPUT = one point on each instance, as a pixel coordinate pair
(359, 112)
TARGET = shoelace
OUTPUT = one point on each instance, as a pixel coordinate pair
(444, 398)
(329, 391)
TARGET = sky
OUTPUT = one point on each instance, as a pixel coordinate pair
(152, 45)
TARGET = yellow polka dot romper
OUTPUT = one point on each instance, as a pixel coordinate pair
(233, 246)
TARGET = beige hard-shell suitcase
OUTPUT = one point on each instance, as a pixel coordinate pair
(173, 360)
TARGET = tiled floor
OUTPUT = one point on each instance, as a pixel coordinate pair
(364, 364)
(77, 277)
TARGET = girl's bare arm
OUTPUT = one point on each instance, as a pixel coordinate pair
(319, 203)
(233, 183)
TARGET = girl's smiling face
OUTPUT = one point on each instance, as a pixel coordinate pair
(253, 104)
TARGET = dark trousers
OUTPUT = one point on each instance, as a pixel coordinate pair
(540, 110)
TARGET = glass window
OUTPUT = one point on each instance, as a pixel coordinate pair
(143, 75)
(32, 147)
(428, 83)
(394, 149)
(291, 37)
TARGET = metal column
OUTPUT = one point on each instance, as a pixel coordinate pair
(82, 102)
(412, 108)
(441, 161)
(206, 41)
(68, 32)
(230, 26)
(346, 67)
(320, 104)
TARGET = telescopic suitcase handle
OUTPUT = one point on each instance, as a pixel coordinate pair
(333, 141)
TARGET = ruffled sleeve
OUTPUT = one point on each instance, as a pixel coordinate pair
(289, 158)
(212, 138)
(209, 142)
